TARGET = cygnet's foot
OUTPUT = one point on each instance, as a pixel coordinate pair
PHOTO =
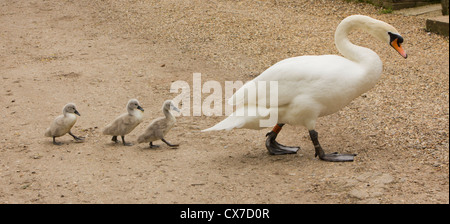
(153, 146)
(114, 139)
(77, 138)
(55, 142)
(336, 157)
(276, 148)
(169, 144)
(127, 144)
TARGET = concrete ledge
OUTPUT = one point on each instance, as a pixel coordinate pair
(401, 4)
(438, 25)
(421, 10)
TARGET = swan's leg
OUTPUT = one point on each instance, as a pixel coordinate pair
(125, 143)
(153, 146)
(76, 137)
(55, 142)
(333, 157)
(276, 148)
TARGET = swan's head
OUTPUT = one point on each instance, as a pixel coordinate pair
(168, 105)
(395, 40)
(376, 28)
(134, 104)
(70, 108)
(387, 34)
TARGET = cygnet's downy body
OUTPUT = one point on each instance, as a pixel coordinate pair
(63, 123)
(159, 127)
(126, 122)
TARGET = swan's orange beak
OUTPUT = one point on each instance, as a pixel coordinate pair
(397, 46)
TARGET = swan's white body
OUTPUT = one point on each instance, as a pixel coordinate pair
(313, 86)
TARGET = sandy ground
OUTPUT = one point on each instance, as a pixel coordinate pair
(98, 54)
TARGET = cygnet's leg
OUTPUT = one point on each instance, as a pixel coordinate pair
(153, 146)
(333, 157)
(114, 139)
(76, 137)
(55, 142)
(168, 143)
(125, 143)
(276, 148)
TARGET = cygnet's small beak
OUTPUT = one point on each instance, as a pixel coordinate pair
(140, 108)
(76, 112)
(175, 109)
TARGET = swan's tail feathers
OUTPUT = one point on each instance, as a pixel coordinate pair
(227, 124)
(243, 94)
(248, 116)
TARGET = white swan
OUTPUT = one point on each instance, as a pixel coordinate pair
(313, 86)
(125, 123)
(159, 127)
(63, 123)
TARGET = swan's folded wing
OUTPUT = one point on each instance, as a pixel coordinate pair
(283, 74)
(293, 77)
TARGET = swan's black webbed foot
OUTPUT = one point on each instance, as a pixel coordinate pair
(276, 148)
(332, 157)
(336, 157)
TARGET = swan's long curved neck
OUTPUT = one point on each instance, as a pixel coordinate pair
(358, 54)
(365, 57)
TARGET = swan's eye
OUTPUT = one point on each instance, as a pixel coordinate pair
(400, 40)
(394, 36)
